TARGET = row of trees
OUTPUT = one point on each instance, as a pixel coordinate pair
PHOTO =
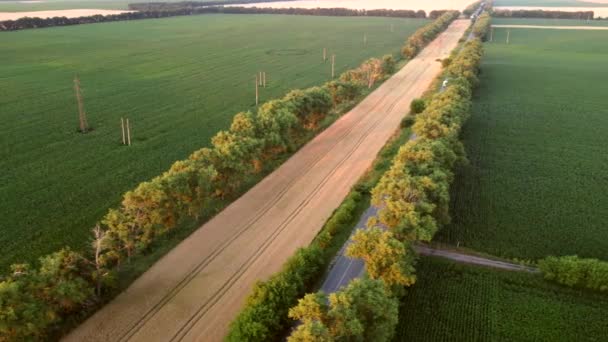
(189, 189)
(582, 15)
(163, 10)
(482, 26)
(427, 34)
(576, 272)
(264, 317)
(413, 197)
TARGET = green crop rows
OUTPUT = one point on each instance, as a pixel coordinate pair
(548, 3)
(178, 80)
(454, 302)
(537, 146)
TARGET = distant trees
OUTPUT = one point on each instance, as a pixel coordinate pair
(164, 10)
(417, 41)
(581, 15)
(573, 271)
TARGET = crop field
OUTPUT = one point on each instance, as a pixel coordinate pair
(46, 5)
(548, 22)
(454, 302)
(550, 3)
(537, 146)
(179, 80)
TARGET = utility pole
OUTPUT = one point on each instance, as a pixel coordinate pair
(264, 79)
(128, 133)
(84, 126)
(122, 124)
(257, 92)
(333, 66)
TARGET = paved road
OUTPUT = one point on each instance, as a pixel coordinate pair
(548, 27)
(194, 292)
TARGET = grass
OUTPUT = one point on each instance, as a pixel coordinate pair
(537, 146)
(455, 302)
(179, 80)
(548, 22)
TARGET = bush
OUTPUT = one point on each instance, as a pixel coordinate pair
(573, 271)
(407, 121)
(417, 106)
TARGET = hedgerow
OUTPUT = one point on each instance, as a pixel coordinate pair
(427, 34)
(413, 200)
(573, 271)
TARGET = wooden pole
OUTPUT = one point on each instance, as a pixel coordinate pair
(491, 34)
(82, 116)
(333, 66)
(128, 133)
(508, 35)
(257, 92)
(324, 54)
(122, 124)
(264, 76)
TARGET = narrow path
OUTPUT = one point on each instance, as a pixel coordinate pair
(344, 269)
(196, 290)
(471, 259)
(549, 27)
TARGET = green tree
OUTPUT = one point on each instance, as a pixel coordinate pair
(364, 311)
(385, 257)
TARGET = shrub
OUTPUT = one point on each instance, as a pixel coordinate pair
(417, 106)
(573, 271)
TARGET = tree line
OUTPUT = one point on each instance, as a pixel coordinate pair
(504, 13)
(413, 197)
(164, 10)
(265, 314)
(34, 301)
(572, 271)
(417, 41)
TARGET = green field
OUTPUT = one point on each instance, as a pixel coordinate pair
(548, 22)
(453, 302)
(548, 3)
(179, 80)
(48, 5)
(537, 146)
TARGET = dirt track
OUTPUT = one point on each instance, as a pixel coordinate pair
(548, 27)
(194, 292)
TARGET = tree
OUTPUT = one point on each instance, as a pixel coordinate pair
(417, 106)
(385, 257)
(23, 316)
(364, 311)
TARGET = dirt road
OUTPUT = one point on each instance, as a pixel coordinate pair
(472, 259)
(548, 27)
(194, 292)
